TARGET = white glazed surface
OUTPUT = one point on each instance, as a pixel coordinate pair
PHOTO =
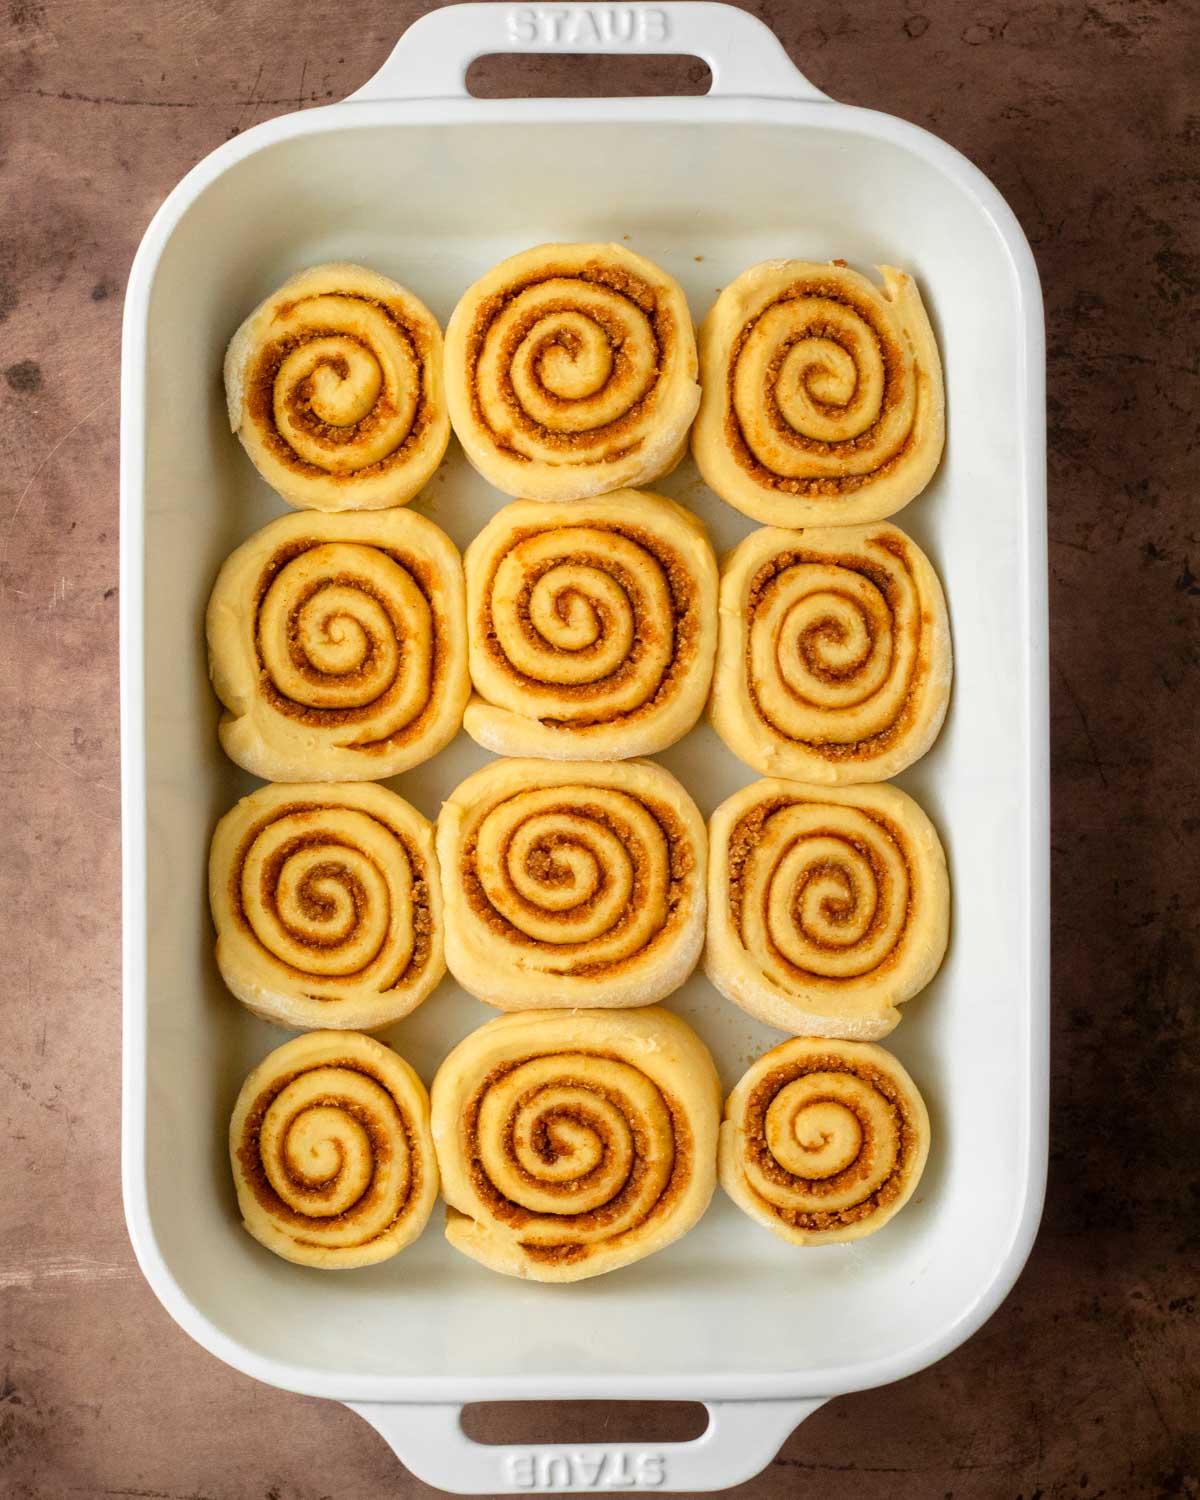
(433, 193)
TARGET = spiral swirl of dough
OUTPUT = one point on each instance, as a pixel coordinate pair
(827, 909)
(338, 644)
(823, 1140)
(334, 386)
(570, 1145)
(571, 885)
(592, 634)
(332, 1153)
(571, 371)
(327, 905)
(834, 662)
(823, 400)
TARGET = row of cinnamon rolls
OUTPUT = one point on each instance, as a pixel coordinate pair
(815, 396)
(345, 647)
(594, 885)
(567, 1145)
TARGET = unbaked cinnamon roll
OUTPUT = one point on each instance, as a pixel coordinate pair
(338, 646)
(571, 371)
(334, 386)
(834, 662)
(827, 908)
(327, 905)
(823, 1141)
(571, 884)
(823, 401)
(570, 1145)
(332, 1154)
(592, 627)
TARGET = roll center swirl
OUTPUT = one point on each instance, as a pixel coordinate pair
(329, 902)
(344, 383)
(564, 364)
(575, 1135)
(586, 613)
(582, 869)
(345, 632)
(825, 890)
(830, 1140)
(333, 1149)
(820, 386)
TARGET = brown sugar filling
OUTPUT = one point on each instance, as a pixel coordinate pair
(333, 719)
(260, 397)
(505, 1211)
(254, 1174)
(838, 752)
(745, 836)
(624, 431)
(422, 910)
(757, 1150)
(682, 869)
(684, 624)
(828, 487)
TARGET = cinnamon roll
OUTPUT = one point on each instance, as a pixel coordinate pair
(571, 371)
(823, 401)
(334, 386)
(327, 905)
(834, 662)
(571, 884)
(823, 1141)
(827, 908)
(592, 627)
(338, 646)
(570, 1145)
(332, 1154)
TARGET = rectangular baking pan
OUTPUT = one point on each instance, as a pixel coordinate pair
(416, 178)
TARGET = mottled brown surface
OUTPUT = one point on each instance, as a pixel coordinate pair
(1087, 115)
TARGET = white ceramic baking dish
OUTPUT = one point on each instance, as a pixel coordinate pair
(420, 180)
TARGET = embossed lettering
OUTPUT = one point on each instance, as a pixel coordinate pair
(521, 1471)
(556, 1471)
(620, 1475)
(522, 26)
(554, 23)
(652, 1470)
(587, 26)
(590, 1466)
(610, 1470)
(618, 25)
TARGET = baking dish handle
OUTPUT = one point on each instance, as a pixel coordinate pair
(741, 1439)
(431, 59)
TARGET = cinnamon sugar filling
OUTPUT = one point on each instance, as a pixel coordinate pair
(260, 396)
(757, 1150)
(254, 1173)
(747, 834)
(824, 486)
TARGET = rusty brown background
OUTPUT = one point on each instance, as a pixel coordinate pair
(1087, 116)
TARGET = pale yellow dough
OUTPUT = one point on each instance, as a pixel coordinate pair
(826, 908)
(571, 371)
(592, 627)
(572, 1144)
(327, 905)
(332, 1154)
(571, 884)
(338, 646)
(823, 1141)
(823, 400)
(334, 385)
(834, 662)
